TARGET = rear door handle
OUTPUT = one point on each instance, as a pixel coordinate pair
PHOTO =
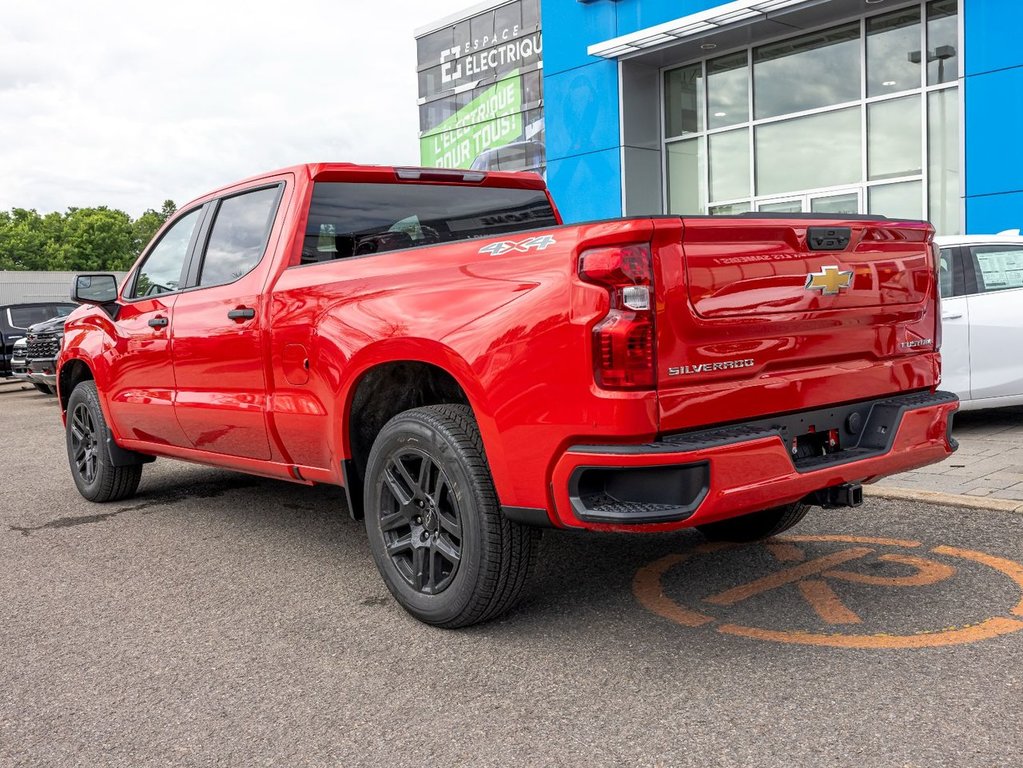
(159, 322)
(952, 316)
(242, 313)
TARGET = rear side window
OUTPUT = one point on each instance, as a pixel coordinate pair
(239, 236)
(161, 272)
(358, 219)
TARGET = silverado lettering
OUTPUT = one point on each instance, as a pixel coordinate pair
(471, 370)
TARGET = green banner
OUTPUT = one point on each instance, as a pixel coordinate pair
(492, 119)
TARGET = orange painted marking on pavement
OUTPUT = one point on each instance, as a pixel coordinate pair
(785, 553)
(984, 631)
(646, 586)
(789, 575)
(825, 602)
(1010, 568)
(841, 538)
(928, 572)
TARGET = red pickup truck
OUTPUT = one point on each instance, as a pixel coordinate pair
(470, 370)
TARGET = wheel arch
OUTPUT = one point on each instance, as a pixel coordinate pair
(392, 381)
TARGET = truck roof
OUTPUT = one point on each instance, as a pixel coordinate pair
(388, 174)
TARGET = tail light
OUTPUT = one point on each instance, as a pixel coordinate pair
(623, 341)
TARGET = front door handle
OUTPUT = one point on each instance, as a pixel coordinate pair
(242, 313)
(952, 316)
(159, 322)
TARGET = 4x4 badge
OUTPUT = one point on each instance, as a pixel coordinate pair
(829, 281)
(502, 247)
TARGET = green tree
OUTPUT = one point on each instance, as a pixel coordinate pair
(97, 239)
(81, 239)
(147, 225)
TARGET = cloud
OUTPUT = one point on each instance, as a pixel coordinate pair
(127, 104)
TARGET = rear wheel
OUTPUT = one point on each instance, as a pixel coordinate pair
(444, 549)
(758, 525)
(87, 434)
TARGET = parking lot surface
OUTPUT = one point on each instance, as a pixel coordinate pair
(221, 619)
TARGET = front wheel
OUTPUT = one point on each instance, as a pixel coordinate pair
(87, 434)
(443, 547)
(757, 525)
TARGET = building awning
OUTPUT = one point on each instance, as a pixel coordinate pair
(754, 19)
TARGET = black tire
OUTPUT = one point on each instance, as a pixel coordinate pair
(757, 525)
(46, 389)
(86, 437)
(444, 549)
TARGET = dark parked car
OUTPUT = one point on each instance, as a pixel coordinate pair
(15, 320)
(43, 344)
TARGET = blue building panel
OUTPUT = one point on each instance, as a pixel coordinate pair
(992, 31)
(994, 113)
(569, 28)
(585, 101)
(587, 187)
(634, 15)
(994, 213)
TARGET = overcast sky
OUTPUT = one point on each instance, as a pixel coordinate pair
(126, 104)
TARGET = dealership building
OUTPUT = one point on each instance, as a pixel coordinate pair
(908, 109)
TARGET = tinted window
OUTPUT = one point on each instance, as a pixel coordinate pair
(23, 317)
(239, 236)
(161, 271)
(360, 219)
(999, 267)
(945, 267)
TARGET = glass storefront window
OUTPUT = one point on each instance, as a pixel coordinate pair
(882, 134)
(729, 209)
(942, 41)
(897, 201)
(686, 172)
(683, 101)
(847, 202)
(782, 206)
(893, 138)
(807, 72)
(729, 164)
(728, 90)
(808, 152)
(891, 39)
(943, 160)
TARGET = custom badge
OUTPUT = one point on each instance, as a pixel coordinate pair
(539, 243)
(829, 281)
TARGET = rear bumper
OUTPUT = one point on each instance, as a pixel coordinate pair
(699, 477)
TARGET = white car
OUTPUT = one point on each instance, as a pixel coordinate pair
(982, 318)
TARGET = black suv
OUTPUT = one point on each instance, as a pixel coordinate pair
(15, 320)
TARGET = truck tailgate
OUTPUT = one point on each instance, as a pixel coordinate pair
(760, 316)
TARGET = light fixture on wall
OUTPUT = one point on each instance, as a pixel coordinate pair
(709, 46)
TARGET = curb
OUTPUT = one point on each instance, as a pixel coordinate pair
(944, 499)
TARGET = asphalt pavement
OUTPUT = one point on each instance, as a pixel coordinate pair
(224, 620)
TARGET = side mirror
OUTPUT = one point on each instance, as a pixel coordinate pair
(94, 289)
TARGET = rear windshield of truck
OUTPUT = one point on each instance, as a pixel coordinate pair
(348, 219)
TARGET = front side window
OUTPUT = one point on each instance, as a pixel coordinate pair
(998, 267)
(161, 272)
(360, 219)
(239, 235)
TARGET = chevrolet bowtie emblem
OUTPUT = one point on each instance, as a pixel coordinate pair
(829, 281)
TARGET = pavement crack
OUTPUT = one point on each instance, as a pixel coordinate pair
(65, 522)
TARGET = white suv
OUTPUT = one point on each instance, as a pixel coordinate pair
(982, 318)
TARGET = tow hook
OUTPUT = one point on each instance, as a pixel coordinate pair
(845, 495)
